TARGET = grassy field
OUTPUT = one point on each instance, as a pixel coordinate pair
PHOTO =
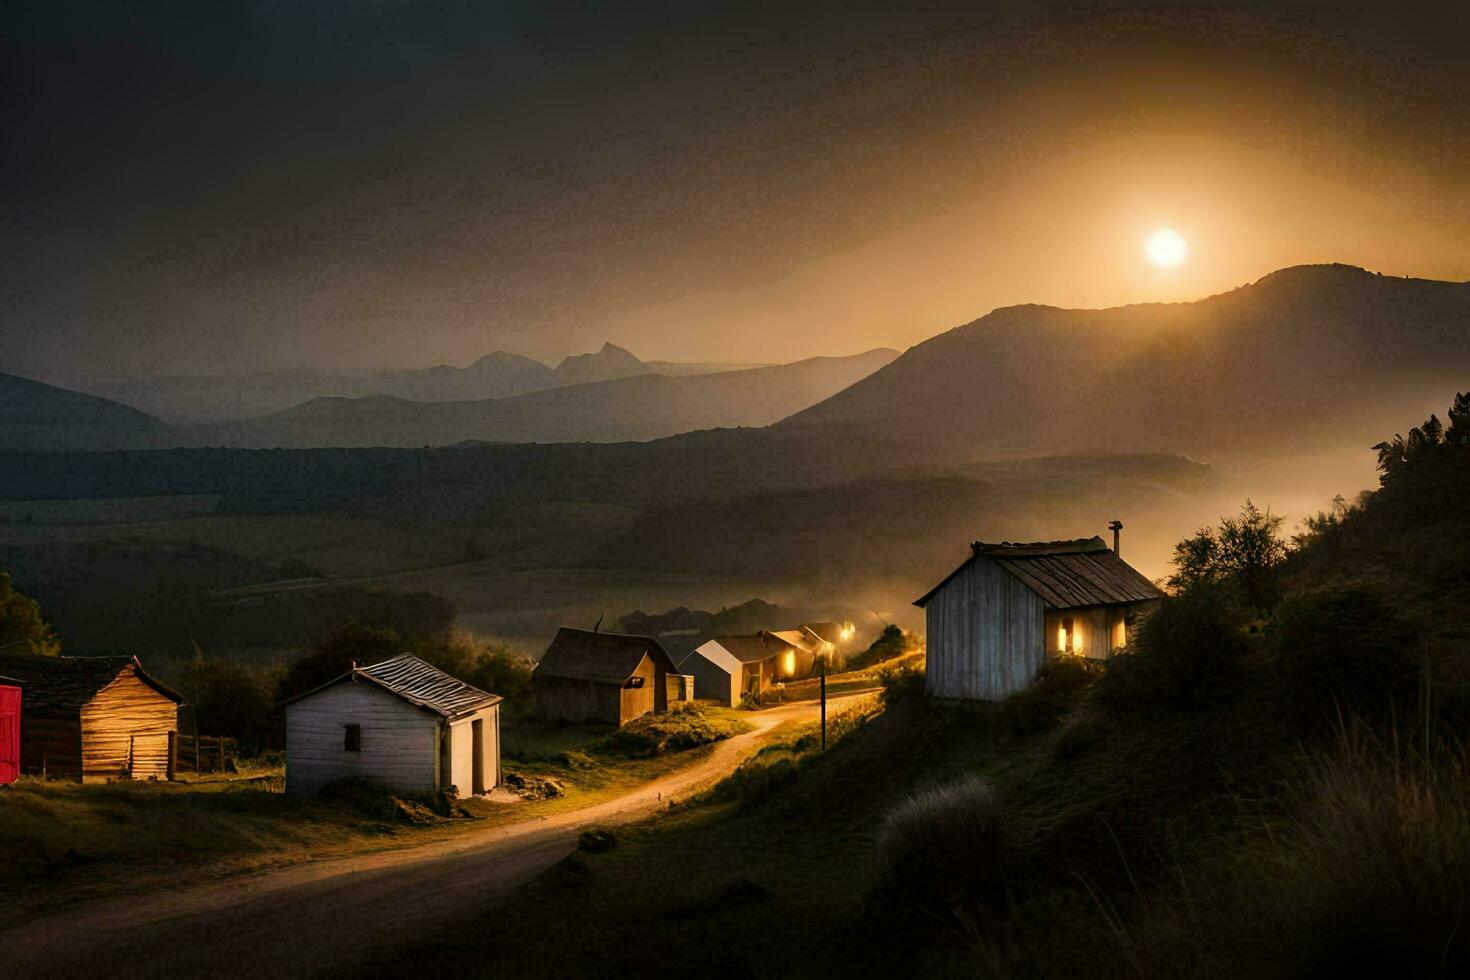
(848, 682)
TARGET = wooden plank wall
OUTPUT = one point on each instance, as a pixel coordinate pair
(984, 634)
(578, 701)
(399, 742)
(639, 701)
(51, 745)
(125, 729)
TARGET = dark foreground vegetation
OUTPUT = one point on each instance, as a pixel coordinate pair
(1274, 782)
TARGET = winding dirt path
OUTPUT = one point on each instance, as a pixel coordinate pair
(329, 914)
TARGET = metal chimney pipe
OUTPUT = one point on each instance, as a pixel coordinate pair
(1115, 527)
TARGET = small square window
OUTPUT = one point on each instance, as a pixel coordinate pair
(352, 740)
(635, 682)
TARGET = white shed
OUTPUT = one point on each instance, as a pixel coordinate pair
(718, 674)
(402, 724)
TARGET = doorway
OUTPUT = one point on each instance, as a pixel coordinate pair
(477, 755)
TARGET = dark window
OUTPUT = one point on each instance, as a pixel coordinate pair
(352, 741)
(635, 682)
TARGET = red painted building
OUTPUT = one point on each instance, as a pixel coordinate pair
(9, 730)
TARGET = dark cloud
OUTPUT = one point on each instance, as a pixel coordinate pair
(198, 186)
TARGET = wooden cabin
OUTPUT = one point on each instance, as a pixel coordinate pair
(402, 724)
(728, 668)
(993, 621)
(9, 730)
(604, 678)
(93, 718)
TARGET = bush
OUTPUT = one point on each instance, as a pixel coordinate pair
(686, 727)
(230, 698)
(1188, 650)
(901, 684)
(1343, 647)
(892, 642)
(944, 851)
(1038, 707)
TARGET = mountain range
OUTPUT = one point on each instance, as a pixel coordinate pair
(1301, 358)
(637, 407)
(1306, 357)
(205, 399)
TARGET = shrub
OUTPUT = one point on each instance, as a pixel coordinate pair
(900, 684)
(1342, 647)
(892, 642)
(686, 727)
(944, 851)
(1038, 707)
(1187, 651)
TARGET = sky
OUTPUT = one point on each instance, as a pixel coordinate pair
(220, 188)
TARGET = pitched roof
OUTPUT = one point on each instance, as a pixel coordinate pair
(61, 685)
(800, 639)
(1066, 574)
(609, 658)
(751, 649)
(419, 683)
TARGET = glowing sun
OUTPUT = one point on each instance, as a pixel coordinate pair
(1166, 249)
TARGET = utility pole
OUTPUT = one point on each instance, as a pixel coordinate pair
(822, 675)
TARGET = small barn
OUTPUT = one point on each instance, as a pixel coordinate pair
(9, 729)
(993, 621)
(402, 724)
(604, 678)
(728, 668)
(93, 718)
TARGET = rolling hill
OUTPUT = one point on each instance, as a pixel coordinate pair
(1306, 357)
(641, 407)
(41, 416)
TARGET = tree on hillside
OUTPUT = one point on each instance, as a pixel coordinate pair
(1458, 434)
(22, 630)
(334, 654)
(1245, 552)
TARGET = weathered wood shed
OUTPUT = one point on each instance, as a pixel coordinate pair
(992, 622)
(9, 729)
(94, 718)
(607, 678)
(402, 724)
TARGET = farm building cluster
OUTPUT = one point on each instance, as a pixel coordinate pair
(406, 725)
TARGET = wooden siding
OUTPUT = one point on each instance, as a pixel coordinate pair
(578, 701)
(399, 741)
(126, 731)
(51, 745)
(984, 634)
(640, 701)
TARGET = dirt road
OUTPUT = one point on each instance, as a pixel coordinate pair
(330, 914)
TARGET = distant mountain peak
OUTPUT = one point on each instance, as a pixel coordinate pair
(606, 364)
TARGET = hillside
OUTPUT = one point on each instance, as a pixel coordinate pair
(607, 364)
(1307, 356)
(40, 416)
(1231, 798)
(641, 407)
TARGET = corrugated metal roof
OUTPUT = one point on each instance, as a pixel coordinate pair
(425, 685)
(608, 658)
(1066, 574)
(61, 685)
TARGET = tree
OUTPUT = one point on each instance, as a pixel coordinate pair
(1197, 559)
(1244, 552)
(1458, 433)
(22, 630)
(1251, 551)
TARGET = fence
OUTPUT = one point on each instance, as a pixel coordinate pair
(207, 753)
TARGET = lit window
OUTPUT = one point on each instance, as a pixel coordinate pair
(788, 663)
(635, 682)
(352, 738)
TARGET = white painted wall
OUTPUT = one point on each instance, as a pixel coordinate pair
(716, 673)
(399, 741)
(462, 749)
